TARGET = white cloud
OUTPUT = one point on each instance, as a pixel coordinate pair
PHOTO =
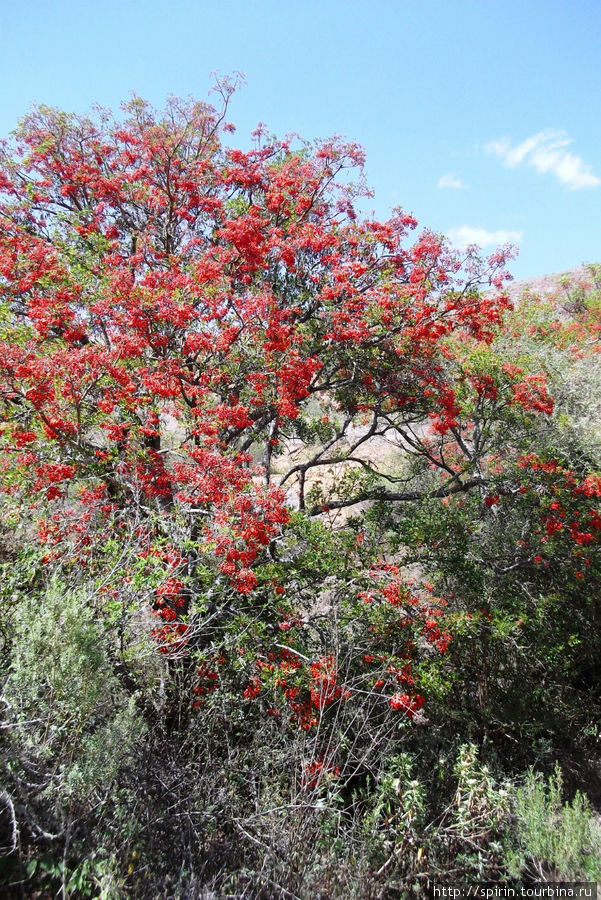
(450, 181)
(465, 235)
(547, 152)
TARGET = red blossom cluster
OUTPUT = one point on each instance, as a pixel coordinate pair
(532, 394)
(324, 682)
(409, 705)
(317, 771)
(569, 507)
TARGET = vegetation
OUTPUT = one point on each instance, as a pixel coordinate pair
(301, 579)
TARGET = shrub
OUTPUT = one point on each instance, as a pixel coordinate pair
(556, 840)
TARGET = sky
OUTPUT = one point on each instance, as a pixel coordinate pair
(481, 118)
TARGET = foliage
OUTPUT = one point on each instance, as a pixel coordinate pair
(557, 840)
(301, 527)
(69, 731)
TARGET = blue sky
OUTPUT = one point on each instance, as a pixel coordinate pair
(482, 118)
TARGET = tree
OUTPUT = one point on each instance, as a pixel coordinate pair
(180, 316)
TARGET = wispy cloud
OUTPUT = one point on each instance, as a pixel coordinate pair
(465, 235)
(547, 152)
(451, 181)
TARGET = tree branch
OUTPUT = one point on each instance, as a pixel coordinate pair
(380, 495)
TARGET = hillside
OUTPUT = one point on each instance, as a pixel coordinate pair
(545, 285)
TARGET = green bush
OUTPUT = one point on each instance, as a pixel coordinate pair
(556, 841)
(70, 730)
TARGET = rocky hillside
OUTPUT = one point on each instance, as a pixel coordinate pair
(549, 284)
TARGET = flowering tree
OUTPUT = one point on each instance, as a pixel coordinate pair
(190, 331)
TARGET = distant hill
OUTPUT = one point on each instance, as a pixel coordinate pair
(546, 284)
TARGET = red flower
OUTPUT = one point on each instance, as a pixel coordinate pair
(410, 705)
(253, 689)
